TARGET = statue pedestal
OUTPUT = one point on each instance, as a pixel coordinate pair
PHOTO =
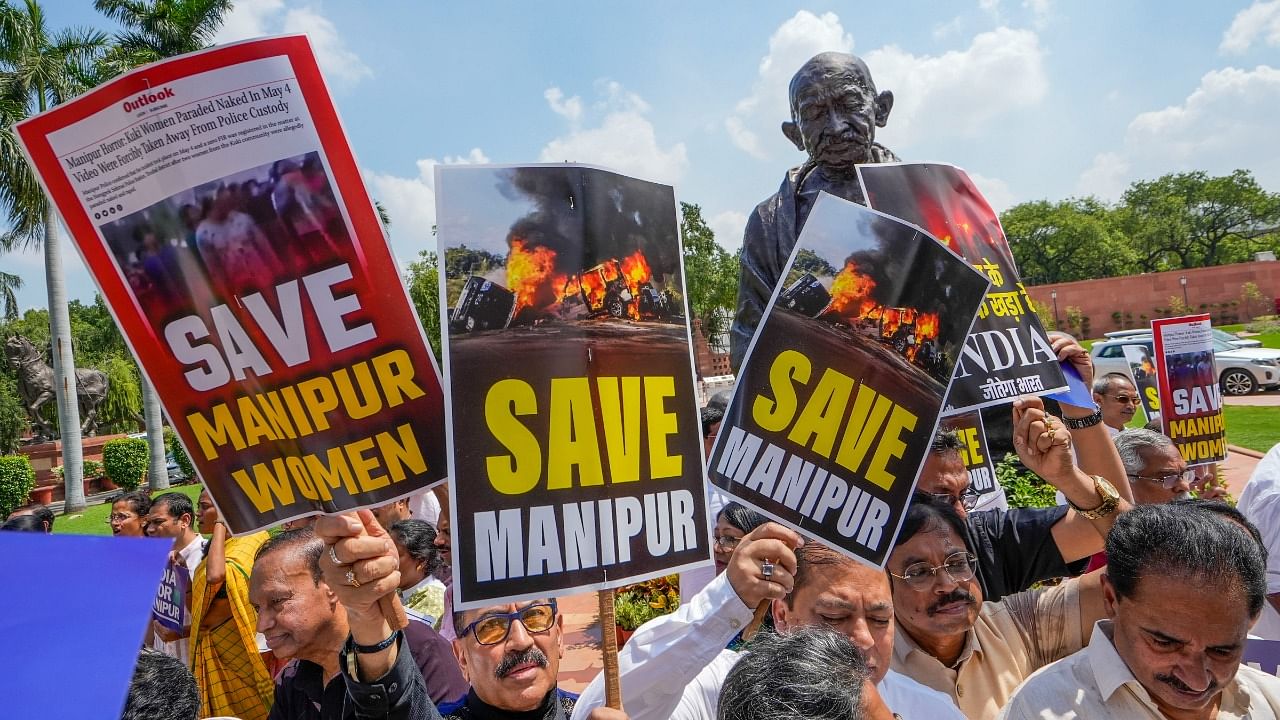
(46, 456)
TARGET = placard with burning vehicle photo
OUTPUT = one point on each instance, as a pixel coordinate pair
(572, 411)
(842, 385)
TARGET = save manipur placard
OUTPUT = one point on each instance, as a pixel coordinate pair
(839, 394)
(217, 203)
(573, 424)
(1190, 397)
(1008, 353)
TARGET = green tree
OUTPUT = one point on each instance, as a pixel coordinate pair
(40, 68)
(9, 286)
(13, 418)
(711, 273)
(1064, 241)
(808, 261)
(424, 290)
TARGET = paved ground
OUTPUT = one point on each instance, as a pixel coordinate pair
(1264, 398)
(581, 661)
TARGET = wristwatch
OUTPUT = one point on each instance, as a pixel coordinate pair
(1085, 422)
(1110, 500)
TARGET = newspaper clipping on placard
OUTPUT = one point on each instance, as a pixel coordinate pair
(217, 203)
(572, 416)
(1190, 397)
(839, 394)
(1008, 353)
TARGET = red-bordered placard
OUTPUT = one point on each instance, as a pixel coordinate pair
(1190, 396)
(218, 205)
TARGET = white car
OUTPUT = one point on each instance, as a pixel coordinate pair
(1240, 370)
(1222, 335)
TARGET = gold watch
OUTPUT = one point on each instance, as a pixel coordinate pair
(1110, 500)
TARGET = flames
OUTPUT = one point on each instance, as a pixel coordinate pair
(905, 327)
(533, 278)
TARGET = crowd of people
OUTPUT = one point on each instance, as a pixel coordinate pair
(1131, 599)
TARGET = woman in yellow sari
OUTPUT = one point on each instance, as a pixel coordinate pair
(225, 658)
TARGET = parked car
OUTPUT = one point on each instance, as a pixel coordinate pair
(1222, 335)
(1240, 370)
(174, 470)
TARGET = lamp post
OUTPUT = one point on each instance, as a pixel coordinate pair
(1056, 323)
(1183, 280)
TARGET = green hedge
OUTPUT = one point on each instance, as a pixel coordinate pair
(16, 481)
(1022, 487)
(125, 461)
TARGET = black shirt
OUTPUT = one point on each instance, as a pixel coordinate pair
(1015, 549)
(401, 694)
(557, 705)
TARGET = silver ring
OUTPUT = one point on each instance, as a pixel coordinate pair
(333, 555)
(351, 579)
(766, 569)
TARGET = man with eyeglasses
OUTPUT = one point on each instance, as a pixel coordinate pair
(1020, 547)
(1118, 399)
(511, 653)
(978, 652)
(1157, 473)
(172, 516)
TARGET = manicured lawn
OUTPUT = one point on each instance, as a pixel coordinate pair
(93, 521)
(1254, 427)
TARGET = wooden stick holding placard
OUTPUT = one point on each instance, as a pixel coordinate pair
(757, 620)
(609, 648)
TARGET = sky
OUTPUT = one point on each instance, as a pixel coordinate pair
(1036, 99)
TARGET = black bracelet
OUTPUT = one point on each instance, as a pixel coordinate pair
(370, 649)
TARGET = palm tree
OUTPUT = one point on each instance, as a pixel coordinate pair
(154, 30)
(40, 69)
(9, 286)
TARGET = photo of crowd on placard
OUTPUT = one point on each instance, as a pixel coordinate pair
(1193, 368)
(229, 237)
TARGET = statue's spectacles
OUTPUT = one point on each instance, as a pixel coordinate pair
(493, 628)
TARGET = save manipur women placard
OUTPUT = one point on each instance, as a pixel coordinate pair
(839, 395)
(573, 423)
(217, 203)
(1190, 397)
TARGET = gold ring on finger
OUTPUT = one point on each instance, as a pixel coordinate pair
(351, 579)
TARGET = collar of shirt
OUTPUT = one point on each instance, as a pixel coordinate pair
(192, 554)
(904, 647)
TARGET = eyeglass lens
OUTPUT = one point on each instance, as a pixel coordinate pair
(495, 628)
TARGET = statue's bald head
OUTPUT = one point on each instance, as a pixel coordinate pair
(835, 110)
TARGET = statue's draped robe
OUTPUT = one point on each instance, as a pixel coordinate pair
(770, 237)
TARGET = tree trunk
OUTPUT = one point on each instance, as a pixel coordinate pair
(64, 367)
(158, 468)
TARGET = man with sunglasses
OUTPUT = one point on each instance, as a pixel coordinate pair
(1020, 547)
(978, 652)
(511, 653)
(1118, 399)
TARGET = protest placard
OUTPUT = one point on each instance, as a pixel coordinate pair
(170, 608)
(838, 398)
(572, 421)
(1142, 371)
(217, 203)
(1263, 655)
(1008, 353)
(1190, 397)
(975, 453)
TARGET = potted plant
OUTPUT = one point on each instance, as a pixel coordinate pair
(634, 605)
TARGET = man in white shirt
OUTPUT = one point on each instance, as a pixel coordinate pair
(674, 666)
(1183, 586)
(171, 516)
(1260, 502)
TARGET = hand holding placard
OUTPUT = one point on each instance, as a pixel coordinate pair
(366, 576)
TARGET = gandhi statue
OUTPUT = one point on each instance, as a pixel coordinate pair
(835, 111)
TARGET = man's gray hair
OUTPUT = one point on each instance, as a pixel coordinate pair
(1131, 443)
(811, 673)
(1102, 385)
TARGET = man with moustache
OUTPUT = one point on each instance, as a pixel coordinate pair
(1183, 587)
(947, 637)
(835, 111)
(511, 653)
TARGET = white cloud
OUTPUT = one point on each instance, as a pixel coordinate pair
(997, 192)
(934, 95)
(1040, 10)
(341, 66)
(1259, 20)
(792, 44)
(942, 31)
(624, 140)
(411, 202)
(728, 227)
(1227, 122)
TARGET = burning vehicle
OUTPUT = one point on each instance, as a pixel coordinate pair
(483, 305)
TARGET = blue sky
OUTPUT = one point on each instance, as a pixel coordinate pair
(1035, 98)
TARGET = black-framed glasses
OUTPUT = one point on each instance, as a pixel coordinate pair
(493, 628)
(968, 498)
(727, 542)
(1171, 481)
(958, 566)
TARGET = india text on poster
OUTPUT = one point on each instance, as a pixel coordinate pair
(216, 201)
(1008, 353)
(1190, 397)
(573, 425)
(838, 398)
